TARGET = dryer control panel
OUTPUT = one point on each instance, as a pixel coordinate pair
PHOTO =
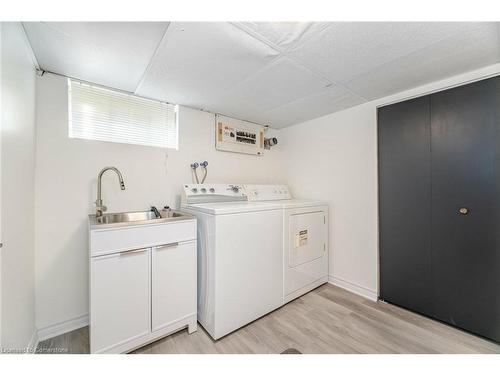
(206, 193)
(267, 192)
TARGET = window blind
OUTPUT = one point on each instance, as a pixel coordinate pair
(106, 115)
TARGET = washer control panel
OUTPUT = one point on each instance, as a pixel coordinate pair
(206, 193)
(267, 192)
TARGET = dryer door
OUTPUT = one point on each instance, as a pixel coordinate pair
(307, 237)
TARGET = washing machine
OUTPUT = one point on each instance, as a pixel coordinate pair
(240, 261)
(305, 238)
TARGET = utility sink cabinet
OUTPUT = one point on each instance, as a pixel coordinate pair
(142, 283)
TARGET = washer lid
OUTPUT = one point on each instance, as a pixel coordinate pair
(222, 208)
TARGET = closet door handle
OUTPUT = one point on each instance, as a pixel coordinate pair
(463, 210)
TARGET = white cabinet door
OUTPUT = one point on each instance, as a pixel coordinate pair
(173, 283)
(120, 306)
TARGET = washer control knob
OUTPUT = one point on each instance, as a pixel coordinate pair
(194, 190)
(212, 190)
(203, 190)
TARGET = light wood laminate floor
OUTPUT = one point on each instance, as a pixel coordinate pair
(326, 320)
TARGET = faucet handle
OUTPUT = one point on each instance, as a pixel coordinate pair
(156, 212)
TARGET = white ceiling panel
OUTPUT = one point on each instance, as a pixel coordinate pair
(280, 82)
(458, 54)
(275, 73)
(113, 54)
(345, 50)
(200, 60)
(327, 101)
(285, 35)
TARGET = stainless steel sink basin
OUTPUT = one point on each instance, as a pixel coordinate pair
(136, 218)
(125, 217)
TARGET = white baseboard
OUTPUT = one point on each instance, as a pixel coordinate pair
(31, 348)
(63, 327)
(353, 287)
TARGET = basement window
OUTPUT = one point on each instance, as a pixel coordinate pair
(101, 114)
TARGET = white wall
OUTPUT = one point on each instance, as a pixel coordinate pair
(335, 158)
(17, 188)
(332, 158)
(66, 171)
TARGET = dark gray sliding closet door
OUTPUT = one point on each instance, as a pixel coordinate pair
(405, 204)
(465, 206)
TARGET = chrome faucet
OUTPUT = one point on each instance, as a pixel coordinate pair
(100, 208)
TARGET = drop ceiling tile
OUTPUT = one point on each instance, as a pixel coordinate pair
(113, 54)
(345, 50)
(285, 35)
(201, 60)
(327, 101)
(458, 54)
(280, 82)
(238, 70)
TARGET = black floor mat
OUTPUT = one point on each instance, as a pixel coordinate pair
(291, 351)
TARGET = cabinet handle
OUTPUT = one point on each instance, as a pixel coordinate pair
(132, 251)
(463, 210)
(173, 244)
